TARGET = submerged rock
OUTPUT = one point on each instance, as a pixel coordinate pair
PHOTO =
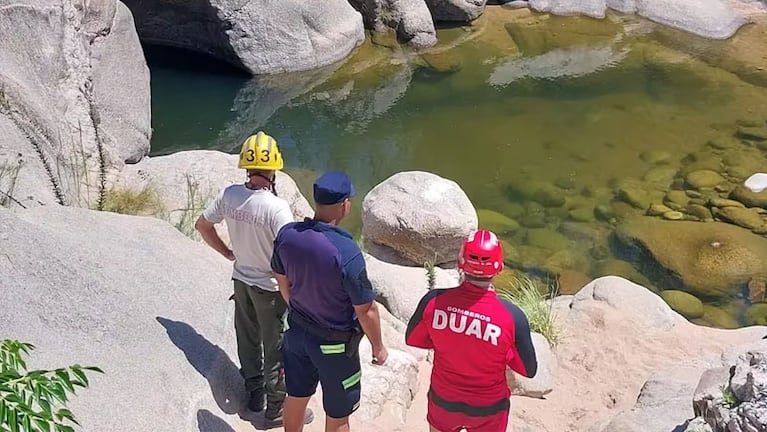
(719, 317)
(747, 218)
(496, 222)
(749, 198)
(712, 260)
(703, 179)
(685, 303)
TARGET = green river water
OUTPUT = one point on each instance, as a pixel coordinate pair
(511, 106)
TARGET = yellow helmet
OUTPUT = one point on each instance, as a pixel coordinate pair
(260, 151)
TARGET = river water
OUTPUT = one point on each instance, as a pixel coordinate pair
(512, 105)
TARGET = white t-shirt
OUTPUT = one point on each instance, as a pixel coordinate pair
(253, 218)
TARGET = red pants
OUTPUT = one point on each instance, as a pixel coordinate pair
(446, 421)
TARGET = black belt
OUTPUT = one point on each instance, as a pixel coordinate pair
(324, 333)
(474, 411)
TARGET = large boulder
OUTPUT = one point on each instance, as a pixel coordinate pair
(74, 95)
(541, 384)
(260, 36)
(456, 10)
(186, 182)
(422, 216)
(400, 288)
(715, 19)
(135, 297)
(711, 260)
(411, 19)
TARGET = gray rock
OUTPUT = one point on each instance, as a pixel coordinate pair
(120, 82)
(714, 19)
(423, 216)
(456, 10)
(260, 36)
(542, 383)
(160, 323)
(709, 390)
(592, 8)
(621, 293)
(73, 80)
(663, 404)
(749, 381)
(400, 288)
(744, 407)
(698, 425)
(410, 18)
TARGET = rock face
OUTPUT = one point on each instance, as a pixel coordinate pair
(714, 19)
(422, 216)
(541, 384)
(137, 298)
(400, 288)
(456, 10)
(411, 19)
(736, 403)
(713, 262)
(187, 181)
(74, 92)
(260, 36)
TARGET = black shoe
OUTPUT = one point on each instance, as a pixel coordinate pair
(275, 420)
(256, 401)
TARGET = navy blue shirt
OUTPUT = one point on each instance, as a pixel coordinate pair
(326, 270)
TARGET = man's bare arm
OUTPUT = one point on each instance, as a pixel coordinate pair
(370, 321)
(284, 284)
(208, 233)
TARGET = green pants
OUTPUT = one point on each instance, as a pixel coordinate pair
(258, 322)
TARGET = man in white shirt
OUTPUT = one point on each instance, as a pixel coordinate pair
(254, 214)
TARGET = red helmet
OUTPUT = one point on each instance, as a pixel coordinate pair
(481, 254)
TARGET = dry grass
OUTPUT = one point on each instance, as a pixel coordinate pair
(532, 297)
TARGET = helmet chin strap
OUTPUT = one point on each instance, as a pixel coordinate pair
(271, 183)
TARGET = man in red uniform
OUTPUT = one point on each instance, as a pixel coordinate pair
(474, 335)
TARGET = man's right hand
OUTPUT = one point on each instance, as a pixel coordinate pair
(380, 354)
(229, 255)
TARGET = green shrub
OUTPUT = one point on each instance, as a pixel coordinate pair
(29, 400)
(532, 299)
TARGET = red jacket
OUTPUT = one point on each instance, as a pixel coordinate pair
(474, 335)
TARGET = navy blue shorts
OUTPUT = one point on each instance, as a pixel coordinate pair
(308, 360)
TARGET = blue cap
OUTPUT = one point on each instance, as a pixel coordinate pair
(332, 188)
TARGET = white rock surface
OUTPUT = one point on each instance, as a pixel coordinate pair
(262, 36)
(423, 216)
(72, 76)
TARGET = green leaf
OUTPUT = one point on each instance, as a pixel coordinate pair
(64, 428)
(43, 425)
(93, 368)
(27, 423)
(64, 379)
(12, 421)
(47, 412)
(80, 375)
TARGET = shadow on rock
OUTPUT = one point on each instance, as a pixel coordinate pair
(209, 422)
(211, 362)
